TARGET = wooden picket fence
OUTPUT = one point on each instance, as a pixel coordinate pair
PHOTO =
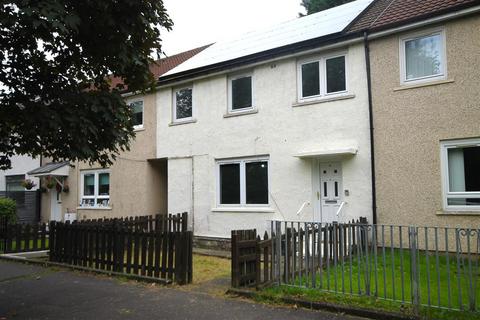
(15, 238)
(288, 251)
(159, 247)
(159, 222)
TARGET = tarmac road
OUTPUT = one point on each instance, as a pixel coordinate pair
(35, 292)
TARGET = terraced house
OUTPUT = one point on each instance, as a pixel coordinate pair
(135, 185)
(272, 125)
(369, 109)
(424, 58)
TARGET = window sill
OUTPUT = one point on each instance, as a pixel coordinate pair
(244, 209)
(177, 123)
(323, 100)
(94, 208)
(468, 212)
(138, 129)
(240, 113)
(407, 86)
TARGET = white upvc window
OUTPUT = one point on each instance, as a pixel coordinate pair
(322, 76)
(137, 114)
(460, 161)
(240, 93)
(182, 104)
(95, 188)
(423, 57)
(243, 182)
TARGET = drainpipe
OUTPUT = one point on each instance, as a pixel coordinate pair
(370, 118)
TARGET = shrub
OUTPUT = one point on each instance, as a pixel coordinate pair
(8, 208)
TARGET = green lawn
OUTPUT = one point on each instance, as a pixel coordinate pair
(276, 293)
(384, 277)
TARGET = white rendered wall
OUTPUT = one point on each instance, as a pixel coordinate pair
(278, 130)
(20, 165)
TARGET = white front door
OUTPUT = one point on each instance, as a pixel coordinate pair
(55, 205)
(330, 190)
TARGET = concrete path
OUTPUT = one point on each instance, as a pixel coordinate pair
(34, 292)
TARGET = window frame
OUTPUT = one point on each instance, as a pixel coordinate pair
(403, 64)
(96, 196)
(174, 105)
(446, 193)
(230, 80)
(243, 191)
(142, 125)
(14, 175)
(322, 60)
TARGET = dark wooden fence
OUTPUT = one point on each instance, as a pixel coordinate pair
(159, 247)
(291, 250)
(159, 222)
(18, 237)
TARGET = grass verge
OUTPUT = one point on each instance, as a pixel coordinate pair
(278, 294)
(207, 268)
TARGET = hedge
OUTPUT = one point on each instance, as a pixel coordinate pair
(8, 208)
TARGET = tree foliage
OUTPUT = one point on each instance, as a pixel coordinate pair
(312, 6)
(58, 58)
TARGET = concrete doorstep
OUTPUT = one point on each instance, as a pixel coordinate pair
(354, 311)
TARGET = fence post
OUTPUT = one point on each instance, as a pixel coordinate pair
(184, 222)
(413, 234)
(51, 240)
(235, 270)
(278, 254)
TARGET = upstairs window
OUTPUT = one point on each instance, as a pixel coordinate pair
(335, 73)
(137, 114)
(461, 172)
(243, 182)
(95, 189)
(422, 57)
(240, 90)
(322, 76)
(182, 104)
(311, 79)
(14, 182)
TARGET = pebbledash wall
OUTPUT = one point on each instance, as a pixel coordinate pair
(411, 122)
(137, 183)
(279, 130)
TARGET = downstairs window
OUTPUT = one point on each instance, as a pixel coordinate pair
(243, 182)
(461, 172)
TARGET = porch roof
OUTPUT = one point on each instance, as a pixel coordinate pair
(59, 169)
(327, 153)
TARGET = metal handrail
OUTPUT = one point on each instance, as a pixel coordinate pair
(306, 203)
(340, 208)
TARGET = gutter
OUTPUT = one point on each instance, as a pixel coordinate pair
(370, 119)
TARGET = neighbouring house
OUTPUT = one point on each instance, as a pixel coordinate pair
(12, 179)
(425, 71)
(134, 185)
(12, 185)
(272, 125)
